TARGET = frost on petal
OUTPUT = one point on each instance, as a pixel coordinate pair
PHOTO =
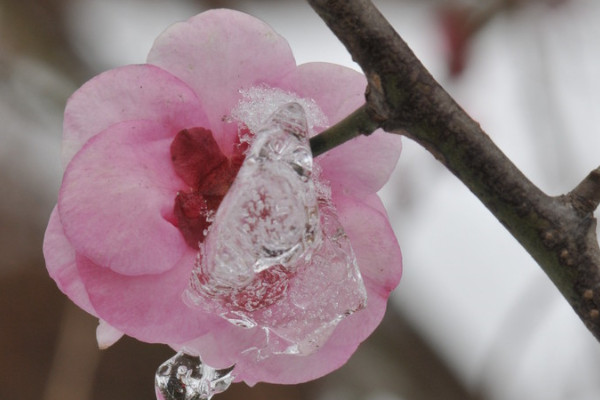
(258, 103)
(218, 53)
(276, 258)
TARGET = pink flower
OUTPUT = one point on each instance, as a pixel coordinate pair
(458, 32)
(147, 148)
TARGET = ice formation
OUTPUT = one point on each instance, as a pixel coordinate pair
(186, 377)
(276, 257)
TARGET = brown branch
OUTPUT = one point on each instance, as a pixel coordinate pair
(402, 97)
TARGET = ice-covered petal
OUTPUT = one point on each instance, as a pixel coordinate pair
(380, 263)
(379, 260)
(147, 307)
(218, 53)
(292, 369)
(116, 200)
(129, 93)
(363, 164)
(276, 256)
(320, 295)
(61, 265)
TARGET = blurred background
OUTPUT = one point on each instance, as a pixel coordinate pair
(473, 318)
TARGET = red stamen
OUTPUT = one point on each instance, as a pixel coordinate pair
(198, 160)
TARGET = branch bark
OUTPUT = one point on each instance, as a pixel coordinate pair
(403, 97)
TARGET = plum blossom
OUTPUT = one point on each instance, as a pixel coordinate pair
(151, 150)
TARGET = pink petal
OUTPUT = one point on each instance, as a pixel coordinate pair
(116, 200)
(373, 241)
(364, 164)
(218, 53)
(60, 262)
(147, 307)
(338, 90)
(107, 335)
(379, 259)
(129, 93)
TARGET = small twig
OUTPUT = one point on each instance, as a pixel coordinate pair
(402, 97)
(356, 124)
(586, 196)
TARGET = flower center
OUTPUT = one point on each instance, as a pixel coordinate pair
(198, 160)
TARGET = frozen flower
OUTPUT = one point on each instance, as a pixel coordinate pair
(151, 150)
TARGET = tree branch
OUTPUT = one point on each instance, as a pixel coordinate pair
(402, 97)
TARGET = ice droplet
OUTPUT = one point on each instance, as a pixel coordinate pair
(185, 377)
(276, 257)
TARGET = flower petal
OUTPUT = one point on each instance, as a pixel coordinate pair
(116, 200)
(364, 164)
(337, 90)
(60, 262)
(218, 53)
(373, 241)
(128, 93)
(147, 307)
(107, 335)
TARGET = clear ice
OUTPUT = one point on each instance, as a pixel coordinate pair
(270, 214)
(185, 377)
(276, 257)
